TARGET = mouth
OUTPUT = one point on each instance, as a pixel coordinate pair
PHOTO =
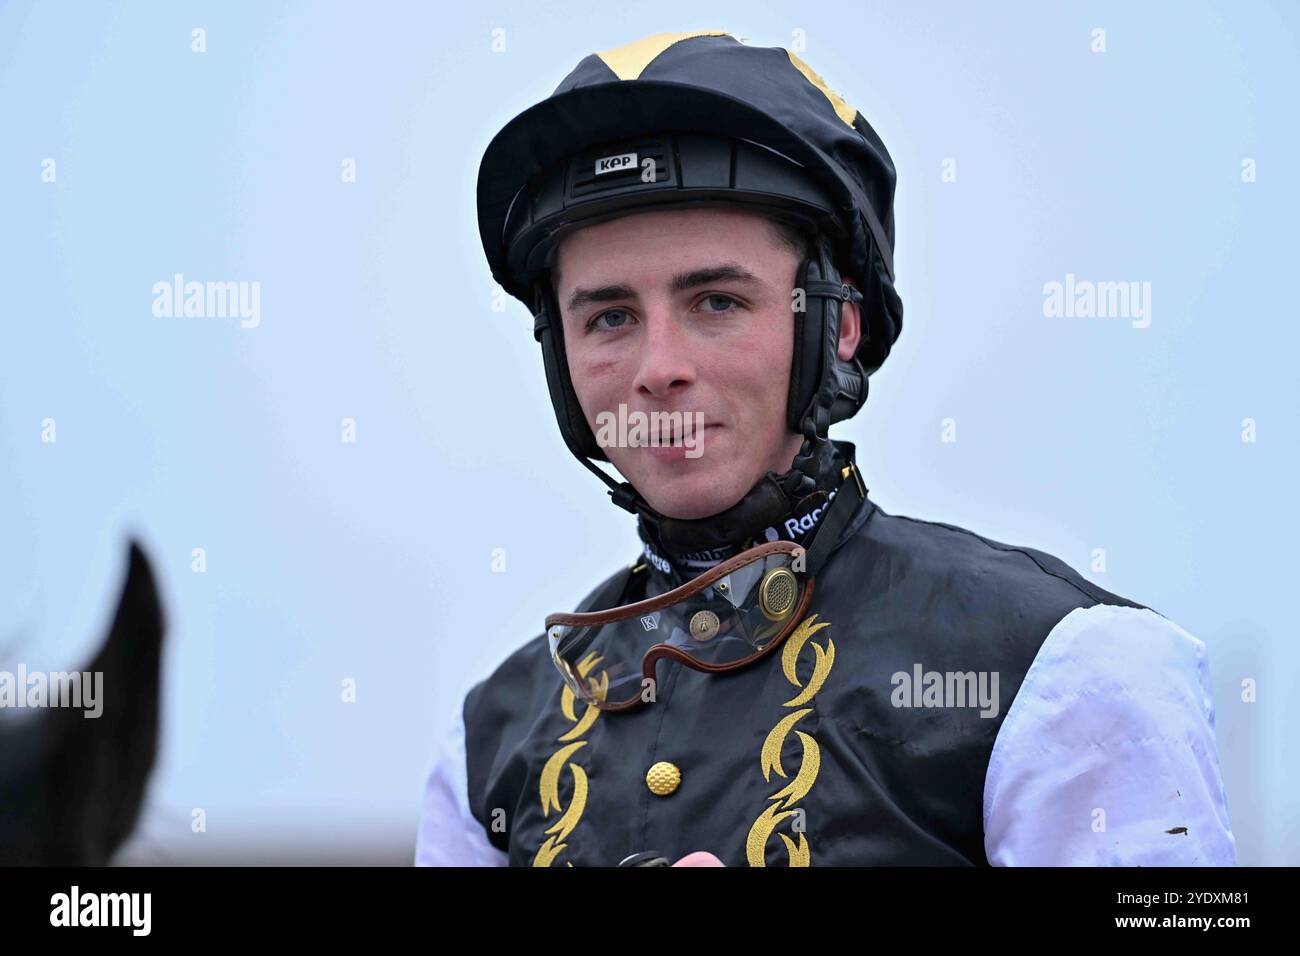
(683, 447)
(667, 435)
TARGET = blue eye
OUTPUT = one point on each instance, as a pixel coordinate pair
(725, 298)
(619, 320)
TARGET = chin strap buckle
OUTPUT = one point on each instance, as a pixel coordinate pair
(624, 496)
(857, 478)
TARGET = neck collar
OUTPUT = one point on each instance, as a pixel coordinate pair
(681, 549)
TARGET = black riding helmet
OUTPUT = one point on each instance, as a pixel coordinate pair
(699, 119)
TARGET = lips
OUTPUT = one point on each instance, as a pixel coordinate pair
(690, 448)
(658, 426)
(687, 434)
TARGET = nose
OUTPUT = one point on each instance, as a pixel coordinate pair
(666, 365)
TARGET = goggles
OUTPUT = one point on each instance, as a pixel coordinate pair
(727, 618)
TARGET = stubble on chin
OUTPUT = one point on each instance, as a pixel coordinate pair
(701, 496)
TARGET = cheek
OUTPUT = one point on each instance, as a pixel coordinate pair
(760, 366)
(596, 380)
(767, 380)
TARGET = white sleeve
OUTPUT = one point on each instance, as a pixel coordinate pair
(1107, 755)
(449, 835)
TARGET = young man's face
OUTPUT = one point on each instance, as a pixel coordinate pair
(686, 311)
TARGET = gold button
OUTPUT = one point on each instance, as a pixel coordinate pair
(663, 778)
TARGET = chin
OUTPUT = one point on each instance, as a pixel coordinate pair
(690, 497)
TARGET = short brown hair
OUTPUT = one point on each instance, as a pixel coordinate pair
(792, 237)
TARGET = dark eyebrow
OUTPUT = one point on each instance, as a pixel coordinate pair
(726, 272)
